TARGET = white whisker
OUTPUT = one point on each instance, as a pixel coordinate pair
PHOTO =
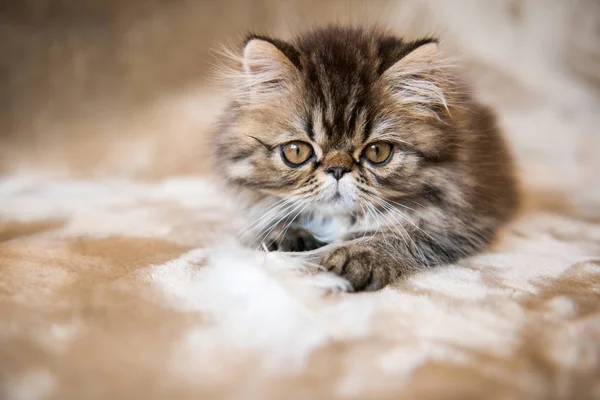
(393, 212)
(289, 224)
(263, 236)
(265, 218)
(272, 211)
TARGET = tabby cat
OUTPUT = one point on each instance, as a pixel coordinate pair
(368, 143)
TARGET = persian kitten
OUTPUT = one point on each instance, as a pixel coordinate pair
(369, 143)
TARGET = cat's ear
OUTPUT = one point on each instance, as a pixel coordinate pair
(421, 55)
(266, 67)
(419, 75)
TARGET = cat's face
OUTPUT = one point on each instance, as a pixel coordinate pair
(334, 125)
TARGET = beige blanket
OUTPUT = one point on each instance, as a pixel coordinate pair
(119, 277)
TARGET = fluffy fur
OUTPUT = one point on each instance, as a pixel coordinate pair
(441, 195)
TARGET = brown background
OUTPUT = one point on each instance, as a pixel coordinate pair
(80, 80)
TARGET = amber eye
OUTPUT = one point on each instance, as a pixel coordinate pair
(296, 153)
(378, 153)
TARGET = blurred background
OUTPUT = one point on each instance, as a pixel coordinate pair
(127, 88)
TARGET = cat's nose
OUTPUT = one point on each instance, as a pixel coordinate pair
(337, 172)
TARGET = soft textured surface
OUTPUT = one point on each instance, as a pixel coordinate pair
(107, 291)
(129, 285)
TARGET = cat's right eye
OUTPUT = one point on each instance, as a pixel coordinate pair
(296, 153)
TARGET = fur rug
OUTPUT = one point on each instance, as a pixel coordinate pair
(108, 292)
(131, 285)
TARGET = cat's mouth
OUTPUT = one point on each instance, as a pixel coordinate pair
(338, 201)
(340, 197)
(337, 197)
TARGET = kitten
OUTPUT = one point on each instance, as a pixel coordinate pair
(361, 139)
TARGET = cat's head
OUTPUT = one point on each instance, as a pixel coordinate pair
(336, 116)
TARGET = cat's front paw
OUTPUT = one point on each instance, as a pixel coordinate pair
(295, 239)
(362, 266)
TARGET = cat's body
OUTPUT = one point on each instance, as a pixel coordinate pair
(355, 137)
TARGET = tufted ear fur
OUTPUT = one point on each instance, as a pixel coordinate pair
(267, 69)
(418, 77)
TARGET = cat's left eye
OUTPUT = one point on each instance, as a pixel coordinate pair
(296, 153)
(378, 153)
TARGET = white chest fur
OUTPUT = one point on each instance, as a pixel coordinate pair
(327, 228)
